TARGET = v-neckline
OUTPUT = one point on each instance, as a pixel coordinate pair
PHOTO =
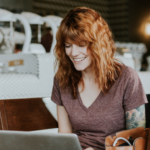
(81, 102)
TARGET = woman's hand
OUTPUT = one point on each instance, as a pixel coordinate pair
(89, 148)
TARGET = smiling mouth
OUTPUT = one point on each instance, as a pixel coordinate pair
(78, 59)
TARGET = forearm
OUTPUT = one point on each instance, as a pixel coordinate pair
(67, 131)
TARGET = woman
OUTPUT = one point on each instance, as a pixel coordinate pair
(96, 95)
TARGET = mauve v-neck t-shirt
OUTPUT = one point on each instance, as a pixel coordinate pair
(106, 115)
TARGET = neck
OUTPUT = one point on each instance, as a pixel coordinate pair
(88, 75)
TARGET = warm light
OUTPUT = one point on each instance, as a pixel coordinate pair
(147, 28)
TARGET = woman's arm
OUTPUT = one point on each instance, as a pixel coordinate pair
(63, 120)
(136, 117)
(64, 123)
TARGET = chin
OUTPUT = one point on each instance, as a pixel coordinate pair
(79, 68)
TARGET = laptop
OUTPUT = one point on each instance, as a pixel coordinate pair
(20, 140)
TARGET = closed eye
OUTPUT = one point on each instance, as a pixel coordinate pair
(82, 45)
(67, 46)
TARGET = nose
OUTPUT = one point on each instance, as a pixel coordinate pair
(74, 50)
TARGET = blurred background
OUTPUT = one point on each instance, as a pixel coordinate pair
(27, 39)
(129, 20)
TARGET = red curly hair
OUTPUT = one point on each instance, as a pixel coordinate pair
(86, 25)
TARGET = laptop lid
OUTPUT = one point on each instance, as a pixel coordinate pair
(18, 140)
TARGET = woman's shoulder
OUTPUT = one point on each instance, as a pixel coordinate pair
(56, 78)
(56, 81)
(128, 71)
(57, 84)
(128, 74)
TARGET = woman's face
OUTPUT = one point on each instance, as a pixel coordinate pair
(79, 55)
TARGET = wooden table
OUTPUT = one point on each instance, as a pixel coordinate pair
(25, 115)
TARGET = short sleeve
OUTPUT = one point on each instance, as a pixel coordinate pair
(56, 95)
(134, 95)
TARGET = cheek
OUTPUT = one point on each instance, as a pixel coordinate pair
(88, 52)
(89, 60)
(67, 52)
